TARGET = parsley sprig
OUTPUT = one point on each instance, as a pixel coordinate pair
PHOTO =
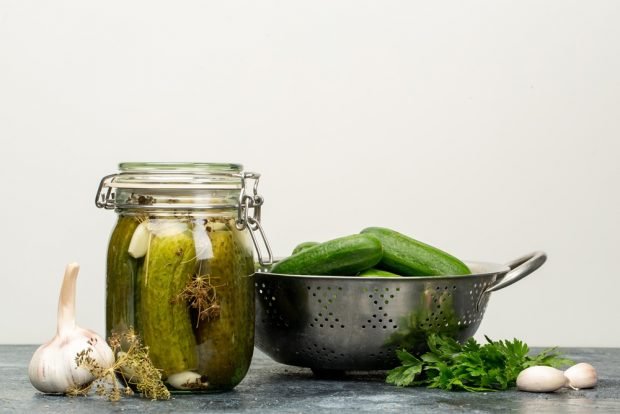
(471, 366)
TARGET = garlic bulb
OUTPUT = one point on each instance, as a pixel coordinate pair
(582, 375)
(53, 368)
(541, 379)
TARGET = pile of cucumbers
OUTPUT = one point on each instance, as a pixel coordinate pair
(374, 252)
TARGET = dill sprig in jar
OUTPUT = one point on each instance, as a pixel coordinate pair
(180, 264)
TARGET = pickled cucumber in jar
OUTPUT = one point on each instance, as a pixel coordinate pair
(185, 285)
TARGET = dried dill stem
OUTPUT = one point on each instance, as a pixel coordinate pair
(201, 295)
(133, 365)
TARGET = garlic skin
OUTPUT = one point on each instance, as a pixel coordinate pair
(53, 369)
(541, 379)
(582, 375)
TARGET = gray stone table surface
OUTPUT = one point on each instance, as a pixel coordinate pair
(271, 387)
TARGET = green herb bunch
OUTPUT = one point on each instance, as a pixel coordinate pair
(471, 366)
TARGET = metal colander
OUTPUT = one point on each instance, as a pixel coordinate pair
(353, 323)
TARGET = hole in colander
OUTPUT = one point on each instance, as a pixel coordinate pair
(391, 296)
(376, 302)
(398, 289)
(314, 294)
(384, 327)
(260, 290)
(342, 326)
(370, 296)
(374, 326)
(312, 325)
(363, 326)
(273, 298)
(331, 326)
(263, 285)
(308, 287)
(386, 302)
(321, 325)
(395, 326)
(380, 307)
(318, 288)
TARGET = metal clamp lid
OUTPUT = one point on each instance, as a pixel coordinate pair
(223, 177)
(249, 214)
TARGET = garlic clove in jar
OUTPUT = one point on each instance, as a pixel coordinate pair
(186, 380)
(582, 375)
(541, 379)
(139, 244)
(53, 368)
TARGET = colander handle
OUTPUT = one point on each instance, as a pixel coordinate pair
(519, 268)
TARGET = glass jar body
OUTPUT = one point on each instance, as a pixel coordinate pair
(182, 281)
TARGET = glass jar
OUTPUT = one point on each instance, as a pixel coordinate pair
(179, 267)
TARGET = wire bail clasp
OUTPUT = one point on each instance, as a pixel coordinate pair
(105, 193)
(249, 215)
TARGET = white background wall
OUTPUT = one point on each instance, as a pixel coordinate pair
(487, 128)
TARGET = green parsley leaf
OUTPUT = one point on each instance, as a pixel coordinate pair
(449, 365)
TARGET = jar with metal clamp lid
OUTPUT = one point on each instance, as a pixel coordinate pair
(179, 267)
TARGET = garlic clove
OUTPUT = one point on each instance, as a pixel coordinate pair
(186, 380)
(165, 227)
(139, 243)
(53, 368)
(202, 242)
(582, 375)
(541, 379)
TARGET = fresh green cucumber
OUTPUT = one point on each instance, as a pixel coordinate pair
(372, 272)
(121, 274)
(408, 257)
(344, 256)
(165, 323)
(303, 246)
